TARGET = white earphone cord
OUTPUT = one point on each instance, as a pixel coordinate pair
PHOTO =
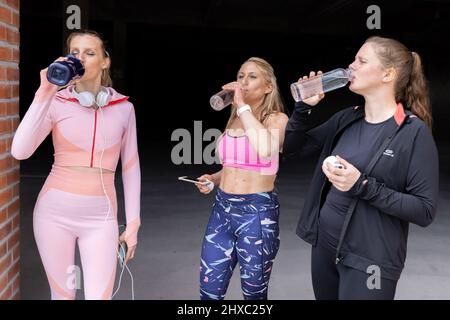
(124, 265)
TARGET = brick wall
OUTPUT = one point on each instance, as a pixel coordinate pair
(9, 167)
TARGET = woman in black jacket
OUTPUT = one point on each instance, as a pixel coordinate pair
(357, 217)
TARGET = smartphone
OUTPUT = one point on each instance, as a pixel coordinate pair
(122, 253)
(192, 180)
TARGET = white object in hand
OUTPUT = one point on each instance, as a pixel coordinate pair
(333, 161)
(210, 184)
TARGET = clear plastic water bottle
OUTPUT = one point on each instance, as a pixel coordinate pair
(221, 99)
(320, 83)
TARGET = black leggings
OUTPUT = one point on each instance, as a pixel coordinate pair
(336, 281)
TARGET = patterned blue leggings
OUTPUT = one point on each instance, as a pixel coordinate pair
(244, 229)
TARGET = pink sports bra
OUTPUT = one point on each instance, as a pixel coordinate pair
(237, 152)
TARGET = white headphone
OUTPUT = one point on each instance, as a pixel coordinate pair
(87, 99)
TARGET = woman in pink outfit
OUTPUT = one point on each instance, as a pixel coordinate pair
(92, 125)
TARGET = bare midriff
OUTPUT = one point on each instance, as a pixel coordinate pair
(240, 181)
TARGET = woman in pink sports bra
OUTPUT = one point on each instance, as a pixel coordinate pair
(92, 126)
(243, 226)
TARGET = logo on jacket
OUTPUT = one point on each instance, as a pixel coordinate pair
(389, 153)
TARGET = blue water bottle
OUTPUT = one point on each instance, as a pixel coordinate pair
(62, 72)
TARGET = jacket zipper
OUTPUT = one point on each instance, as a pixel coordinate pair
(93, 138)
(318, 218)
(338, 259)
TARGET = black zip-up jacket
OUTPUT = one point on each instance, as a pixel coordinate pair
(402, 187)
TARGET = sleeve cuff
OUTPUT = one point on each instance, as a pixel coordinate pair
(303, 107)
(359, 187)
(131, 232)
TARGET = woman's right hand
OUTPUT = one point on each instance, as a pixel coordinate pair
(204, 178)
(312, 101)
(238, 99)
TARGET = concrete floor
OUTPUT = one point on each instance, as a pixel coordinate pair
(174, 216)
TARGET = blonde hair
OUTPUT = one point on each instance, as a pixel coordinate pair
(272, 102)
(411, 85)
(106, 80)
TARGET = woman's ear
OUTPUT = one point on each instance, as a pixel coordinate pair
(106, 63)
(389, 74)
(268, 89)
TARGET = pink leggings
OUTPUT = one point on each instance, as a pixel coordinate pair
(71, 208)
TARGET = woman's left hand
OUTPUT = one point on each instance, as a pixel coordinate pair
(235, 86)
(130, 251)
(342, 179)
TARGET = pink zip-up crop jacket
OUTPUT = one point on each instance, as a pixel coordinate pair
(79, 136)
